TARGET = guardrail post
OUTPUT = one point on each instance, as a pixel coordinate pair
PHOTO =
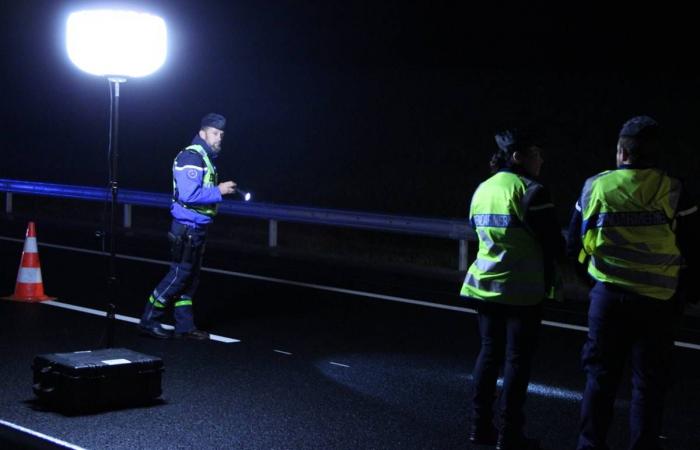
(127, 215)
(8, 202)
(463, 254)
(272, 236)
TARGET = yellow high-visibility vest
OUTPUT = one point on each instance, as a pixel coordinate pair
(628, 230)
(509, 267)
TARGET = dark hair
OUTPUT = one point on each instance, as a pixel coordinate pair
(509, 142)
(500, 160)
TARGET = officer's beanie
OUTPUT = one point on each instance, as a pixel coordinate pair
(643, 127)
(214, 120)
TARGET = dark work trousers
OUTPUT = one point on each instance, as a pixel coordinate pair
(180, 283)
(624, 325)
(509, 336)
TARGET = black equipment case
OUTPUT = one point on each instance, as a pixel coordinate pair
(97, 379)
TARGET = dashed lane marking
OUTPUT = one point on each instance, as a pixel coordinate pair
(282, 352)
(338, 364)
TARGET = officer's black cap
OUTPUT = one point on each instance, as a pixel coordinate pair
(513, 140)
(214, 120)
(640, 127)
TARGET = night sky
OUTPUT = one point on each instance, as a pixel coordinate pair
(379, 106)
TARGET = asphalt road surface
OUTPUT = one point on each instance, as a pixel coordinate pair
(309, 355)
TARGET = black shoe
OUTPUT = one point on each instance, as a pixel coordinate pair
(516, 442)
(197, 335)
(155, 331)
(483, 435)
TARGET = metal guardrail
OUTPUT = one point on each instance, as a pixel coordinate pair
(441, 228)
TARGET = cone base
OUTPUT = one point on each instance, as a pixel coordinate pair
(37, 299)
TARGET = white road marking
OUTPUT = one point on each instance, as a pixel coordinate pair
(567, 326)
(338, 364)
(687, 345)
(43, 436)
(97, 312)
(322, 287)
(282, 352)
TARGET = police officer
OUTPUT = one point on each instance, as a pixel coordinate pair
(629, 223)
(196, 193)
(519, 239)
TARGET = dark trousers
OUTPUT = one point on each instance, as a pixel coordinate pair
(623, 325)
(508, 336)
(180, 283)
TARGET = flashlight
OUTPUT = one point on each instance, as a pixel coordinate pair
(245, 195)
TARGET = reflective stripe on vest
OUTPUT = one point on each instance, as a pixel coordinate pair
(509, 265)
(210, 180)
(627, 229)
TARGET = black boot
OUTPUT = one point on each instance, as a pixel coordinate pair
(150, 324)
(196, 335)
(156, 331)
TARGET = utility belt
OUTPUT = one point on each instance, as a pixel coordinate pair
(205, 210)
(186, 243)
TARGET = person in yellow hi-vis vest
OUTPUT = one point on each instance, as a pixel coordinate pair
(514, 271)
(628, 226)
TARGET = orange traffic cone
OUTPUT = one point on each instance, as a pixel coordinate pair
(29, 287)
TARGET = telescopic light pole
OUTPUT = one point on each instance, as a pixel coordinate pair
(115, 44)
(112, 280)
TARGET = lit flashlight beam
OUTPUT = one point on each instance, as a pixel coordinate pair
(246, 195)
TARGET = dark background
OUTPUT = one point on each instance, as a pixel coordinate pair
(383, 106)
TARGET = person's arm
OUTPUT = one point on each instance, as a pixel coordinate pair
(189, 172)
(687, 226)
(573, 234)
(541, 219)
(574, 245)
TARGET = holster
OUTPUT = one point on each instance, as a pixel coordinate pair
(177, 246)
(184, 248)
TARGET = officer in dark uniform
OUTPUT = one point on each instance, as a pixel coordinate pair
(519, 240)
(196, 194)
(631, 224)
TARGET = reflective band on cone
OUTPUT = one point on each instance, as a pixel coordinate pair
(29, 286)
